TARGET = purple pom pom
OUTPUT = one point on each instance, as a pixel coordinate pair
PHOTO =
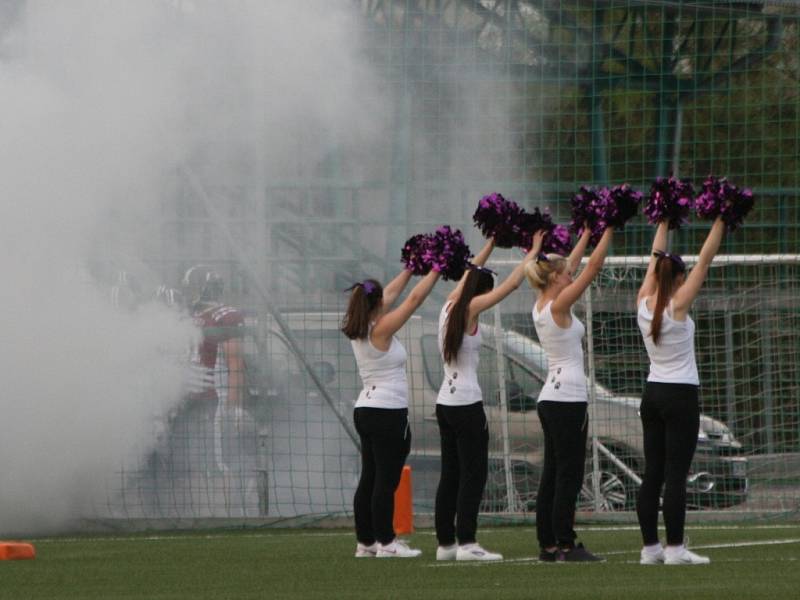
(447, 252)
(530, 223)
(600, 208)
(707, 203)
(413, 252)
(670, 200)
(722, 198)
(498, 218)
(558, 241)
(624, 204)
(590, 208)
(740, 203)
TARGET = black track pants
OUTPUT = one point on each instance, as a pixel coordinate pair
(670, 420)
(564, 425)
(465, 461)
(385, 444)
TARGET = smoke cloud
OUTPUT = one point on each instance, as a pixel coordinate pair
(105, 107)
(102, 104)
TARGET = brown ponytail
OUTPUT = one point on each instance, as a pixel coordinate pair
(478, 282)
(667, 270)
(364, 299)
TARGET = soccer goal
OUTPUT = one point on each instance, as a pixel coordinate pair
(747, 322)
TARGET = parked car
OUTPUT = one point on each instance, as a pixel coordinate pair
(718, 477)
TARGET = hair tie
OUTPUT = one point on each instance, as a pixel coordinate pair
(542, 257)
(676, 260)
(366, 285)
(481, 269)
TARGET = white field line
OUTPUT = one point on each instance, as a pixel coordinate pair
(189, 536)
(723, 560)
(534, 560)
(688, 527)
(268, 534)
(753, 543)
(636, 528)
(728, 545)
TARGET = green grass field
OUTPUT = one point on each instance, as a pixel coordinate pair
(748, 561)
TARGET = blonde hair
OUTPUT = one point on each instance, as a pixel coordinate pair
(540, 272)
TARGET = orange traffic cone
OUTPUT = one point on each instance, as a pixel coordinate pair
(403, 508)
(16, 551)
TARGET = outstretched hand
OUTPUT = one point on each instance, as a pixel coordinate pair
(538, 240)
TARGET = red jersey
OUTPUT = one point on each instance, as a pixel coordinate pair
(209, 364)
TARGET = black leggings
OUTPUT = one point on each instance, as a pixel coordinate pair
(671, 420)
(564, 425)
(385, 444)
(465, 460)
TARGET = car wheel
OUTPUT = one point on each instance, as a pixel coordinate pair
(495, 497)
(617, 491)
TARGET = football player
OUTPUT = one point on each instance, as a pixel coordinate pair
(218, 373)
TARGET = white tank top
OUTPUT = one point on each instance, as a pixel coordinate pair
(383, 374)
(672, 359)
(460, 385)
(566, 381)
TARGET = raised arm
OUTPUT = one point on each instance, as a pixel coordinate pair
(479, 260)
(394, 288)
(390, 322)
(648, 287)
(574, 258)
(510, 283)
(569, 295)
(683, 298)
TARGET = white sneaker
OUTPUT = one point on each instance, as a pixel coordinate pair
(649, 557)
(475, 552)
(683, 556)
(364, 551)
(447, 552)
(397, 549)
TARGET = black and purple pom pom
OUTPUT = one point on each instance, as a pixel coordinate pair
(623, 205)
(498, 218)
(413, 254)
(447, 252)
(530, 223)
(719, 197)
(589, 209)
(670, 200)
(741, 203)
(558, 240)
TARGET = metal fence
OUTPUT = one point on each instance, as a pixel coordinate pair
(532, 99)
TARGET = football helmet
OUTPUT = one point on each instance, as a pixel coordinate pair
(202, 285)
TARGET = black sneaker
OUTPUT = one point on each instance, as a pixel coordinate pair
(577, 554)
(545, 556)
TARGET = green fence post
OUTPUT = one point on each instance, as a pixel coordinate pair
(599, 151)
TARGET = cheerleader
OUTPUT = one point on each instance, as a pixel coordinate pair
(459, 407)
(381, 411)
(563, 401)
(670, 410)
